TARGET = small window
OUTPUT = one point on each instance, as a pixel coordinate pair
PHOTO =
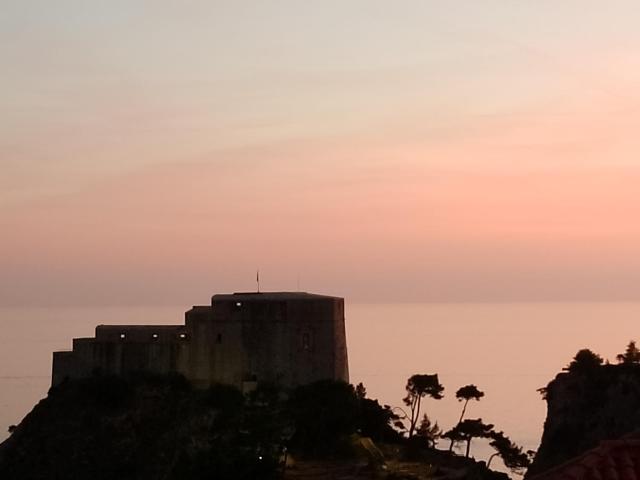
(123, 335)
(154, 336)
(219, 338)
(183, 336)
(238, 304)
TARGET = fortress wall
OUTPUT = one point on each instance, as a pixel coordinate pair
(262, 339)
(229, 358)
(65, 364)
(341, 358)
(84, 350)
(311, 340)
(284, 338)
(160, 349)
(107, 357)
(122, 349)
(198, 324)
(140, 333)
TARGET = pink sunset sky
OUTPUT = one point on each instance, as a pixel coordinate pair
(158, 152)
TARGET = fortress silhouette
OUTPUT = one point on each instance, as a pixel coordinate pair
(285, 338)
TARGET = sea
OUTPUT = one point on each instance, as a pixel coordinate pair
(508, 350)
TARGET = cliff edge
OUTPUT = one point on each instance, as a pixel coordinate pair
(586, 406)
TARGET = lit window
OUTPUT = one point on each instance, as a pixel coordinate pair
(183, 336)
(123, 335)
(154, 336)
(238, 304)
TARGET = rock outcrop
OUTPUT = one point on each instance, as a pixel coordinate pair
(586, 407)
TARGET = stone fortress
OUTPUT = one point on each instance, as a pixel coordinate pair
(286, 338)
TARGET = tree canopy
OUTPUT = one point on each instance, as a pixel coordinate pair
(466, 393)
(512, 455)
(584, 361)
(430, 432)
(631, 354)
(467, 430)
(469, 392)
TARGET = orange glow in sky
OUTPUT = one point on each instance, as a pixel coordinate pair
(487, 153)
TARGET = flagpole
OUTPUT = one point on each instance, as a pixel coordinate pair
(258, 279)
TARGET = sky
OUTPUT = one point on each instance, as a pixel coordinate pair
(157, 152)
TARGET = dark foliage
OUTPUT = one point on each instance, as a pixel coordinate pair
(467, 430)
(512, 455)
(631, 356)
(149, 427)
(145, 427)
(585, 361)
(469, 392)
(376, 421)
(428, 432)
(234, 454)
(225, 398)
(323, 413)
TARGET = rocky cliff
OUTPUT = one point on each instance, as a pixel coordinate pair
(586, 407)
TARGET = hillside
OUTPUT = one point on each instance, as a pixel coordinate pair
(159, 428)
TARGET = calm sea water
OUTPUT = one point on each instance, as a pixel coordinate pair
(507, 350)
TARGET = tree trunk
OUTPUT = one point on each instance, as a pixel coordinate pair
(412, 421)
(491, 458)
(464, 409)
(415, 415)
(468, 447)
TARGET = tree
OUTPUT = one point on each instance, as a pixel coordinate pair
(584, 361)
(631, 354)
(466, 393)
(361, 391)
(323, 413)
(376, 421)
(419, 386)
(512, 455)
(430, 432)
(467, 430)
